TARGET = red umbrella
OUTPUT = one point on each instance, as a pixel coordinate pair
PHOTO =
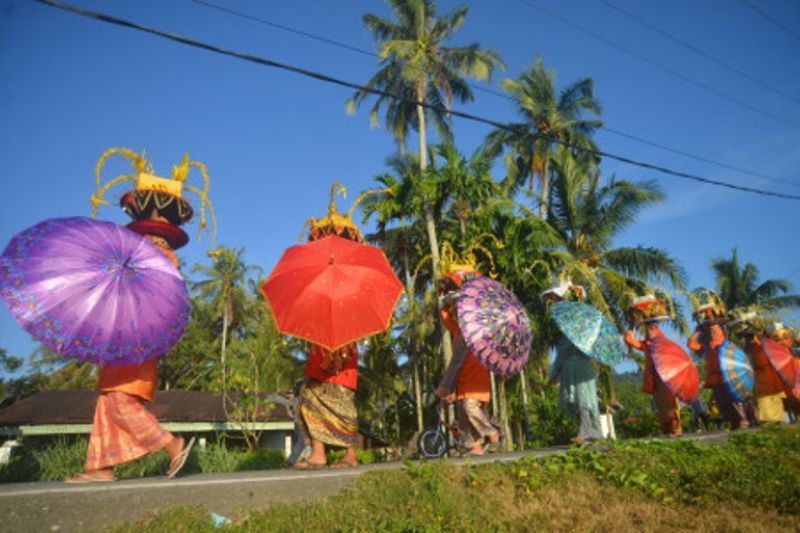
(676, 369)
(781, 359)
(332, 292)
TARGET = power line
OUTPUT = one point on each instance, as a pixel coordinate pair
(658, 65)
(339, 44)
(770, 19)
(639, 20)
(350, 85)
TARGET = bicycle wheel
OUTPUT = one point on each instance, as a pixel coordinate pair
(432, 444)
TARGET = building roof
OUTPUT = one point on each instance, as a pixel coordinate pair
(77, 407)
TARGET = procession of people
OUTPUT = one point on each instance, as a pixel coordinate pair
(336, 290)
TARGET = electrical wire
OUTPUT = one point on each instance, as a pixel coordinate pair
(492, 92)
(775, 22)
(658, 65)
(345, 46)
(639, 20)
(350, 85)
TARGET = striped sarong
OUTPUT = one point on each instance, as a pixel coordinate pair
(328, 414)
(473, 422)
(123, 430)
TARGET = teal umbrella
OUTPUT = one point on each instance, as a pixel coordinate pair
(589, 331)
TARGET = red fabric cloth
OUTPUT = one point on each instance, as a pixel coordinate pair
(711, 352)
(473, 378)
(650, 374)
(123, 430)
(767, 380)
(321, 366)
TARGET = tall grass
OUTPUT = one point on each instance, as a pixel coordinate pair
(62, 458)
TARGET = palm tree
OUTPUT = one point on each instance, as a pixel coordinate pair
(418, 67)
(738, 286)
(586, 215)
(225, 287)
(549, 120)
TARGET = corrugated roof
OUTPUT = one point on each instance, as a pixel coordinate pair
(77, 407)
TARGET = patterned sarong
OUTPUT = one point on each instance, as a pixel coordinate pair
(328, 414)
(473, 421)
(123, 430)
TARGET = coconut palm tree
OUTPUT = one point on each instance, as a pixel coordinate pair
(738, 285)
(416, 65)
(225, 287)
(586, 215)
(550, 120)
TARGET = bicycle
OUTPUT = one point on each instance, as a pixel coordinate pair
(435, 442)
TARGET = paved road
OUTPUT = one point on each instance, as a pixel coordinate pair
(55, 506)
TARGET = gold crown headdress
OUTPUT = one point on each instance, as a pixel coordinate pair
(161, 192)
(650, 307)
(451, 261)
(335, 223)
(706, 301)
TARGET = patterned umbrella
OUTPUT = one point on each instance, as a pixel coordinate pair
(736, 370)
(494, 324)
(589, 331)
(781, 359)
(94, 291)
(676, 369)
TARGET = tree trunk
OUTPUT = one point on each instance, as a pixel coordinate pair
(493, 389)
(545, 188)
(504, 423)
(430, 225)
(414, 352)
(224, 344)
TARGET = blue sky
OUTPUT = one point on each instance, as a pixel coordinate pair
(273, 142)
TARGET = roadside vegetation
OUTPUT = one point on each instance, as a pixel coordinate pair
(752, 483)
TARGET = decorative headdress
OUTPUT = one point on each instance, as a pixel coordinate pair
(335, 223)
(154, 193)
(745, 320)
(564, 289)
(778, 331)
(707, 306)
(647, 308)
(455, 268)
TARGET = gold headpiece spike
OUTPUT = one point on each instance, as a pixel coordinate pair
(140, 164)
(204, 201)
(181, 172)
(336, 187)
(363, 196)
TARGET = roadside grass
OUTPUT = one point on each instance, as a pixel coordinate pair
(63, 458)
(751, 483)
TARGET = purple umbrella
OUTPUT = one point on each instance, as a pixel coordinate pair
(94, 291)
(494, 324)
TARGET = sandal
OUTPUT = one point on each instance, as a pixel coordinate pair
(179, 460)
(85, 477)
(344, 464)
(308, 465)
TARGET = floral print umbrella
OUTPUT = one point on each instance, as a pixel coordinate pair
(495, 325)
(589, 331)
(94, 291)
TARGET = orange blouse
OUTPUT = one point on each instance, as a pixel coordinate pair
(473, 378)
(713, 373)
(650, 375)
